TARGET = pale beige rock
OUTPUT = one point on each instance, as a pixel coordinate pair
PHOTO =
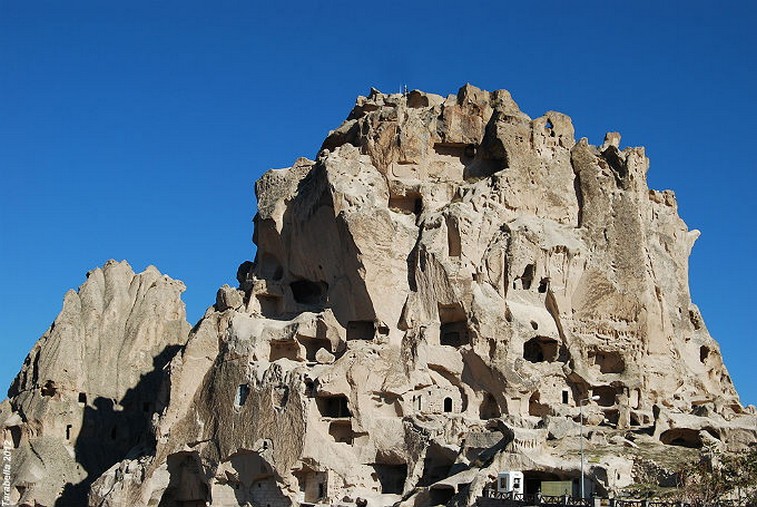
(90, 386)
(439, 296)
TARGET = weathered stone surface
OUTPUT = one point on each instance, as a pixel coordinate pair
(444, 293)
(90, 386)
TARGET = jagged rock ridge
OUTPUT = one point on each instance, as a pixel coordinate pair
(430, 302)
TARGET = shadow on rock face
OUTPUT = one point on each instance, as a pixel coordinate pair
(112, 432)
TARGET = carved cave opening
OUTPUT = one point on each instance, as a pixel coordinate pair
(453, 329)
(187, 485)
(284, 349)
(243, 391)
(704, 353)
(336, 406)
(536, 407)
(454, 334)
(607, 395)
(541, 349)
(608, 361)
(682, 437)
(391, 477)
(436, 464)
(527, 278)
(361, 330)
(313, 484)
(341, 431)
(411, 204)
(306, 292)
(447, 405)
(313, 345)
(544, 285)
(454, 242)
(49, 389)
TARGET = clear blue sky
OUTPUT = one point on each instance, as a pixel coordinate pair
(135, 130)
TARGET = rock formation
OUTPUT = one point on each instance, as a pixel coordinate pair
(439, 296)
(89, 388)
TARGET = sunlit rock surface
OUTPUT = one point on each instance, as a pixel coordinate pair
(431, 300)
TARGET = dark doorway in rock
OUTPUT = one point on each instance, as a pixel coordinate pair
(361, 330)
(682, 437)
(333, 406)
(313, 345)
(447, 405)
(391, 478)
(541, 349)
(607, 395)
(309, 293)
(454, 334)
(341, 431)
(187, 485)
(436, 464)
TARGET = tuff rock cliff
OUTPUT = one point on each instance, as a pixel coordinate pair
(433, 300)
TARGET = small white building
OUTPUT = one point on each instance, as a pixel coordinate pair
(510, 482)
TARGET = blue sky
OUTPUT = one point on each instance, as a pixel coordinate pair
(136, 130)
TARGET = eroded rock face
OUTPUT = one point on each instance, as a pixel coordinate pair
(88, 389)
(433, 300)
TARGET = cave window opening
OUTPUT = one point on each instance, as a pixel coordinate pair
(682, 437)
(540, 349)
(549, 124)
(48, 389)
(408, 204)
(341, 432)
(83, 398)
(313, 345)
(361, 330)
(309, 293)
(68, 431)
(543, 285)
(704, 353)
(333, 406)
(565, 396)
(284, 349)
(608, 361)
(391, 478)
(454, 334)
(447, 405)
(606, 395)
(243, 391)
(527, 278)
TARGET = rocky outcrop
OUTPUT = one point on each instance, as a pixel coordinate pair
(89, 388)
(442, 294)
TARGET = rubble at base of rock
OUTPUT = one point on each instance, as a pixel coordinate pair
(441, 295)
